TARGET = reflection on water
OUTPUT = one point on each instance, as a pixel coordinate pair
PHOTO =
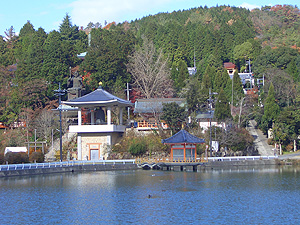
(258, 195)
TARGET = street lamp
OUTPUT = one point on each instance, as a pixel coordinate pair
(59, 92)
(210, 110)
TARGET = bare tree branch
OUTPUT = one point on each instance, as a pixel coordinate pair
(150, 71)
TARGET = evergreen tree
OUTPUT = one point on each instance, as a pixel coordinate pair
(181, 74)
(54, 68)
(108, 55)
(195, 99)
(27, 30)
(69, 37)
(22, 52)
(293, 71)
(36, 54)
(271, 110)
(207, 79)
(218, 83)
(173, 115)
(222, 110)
(67, 30)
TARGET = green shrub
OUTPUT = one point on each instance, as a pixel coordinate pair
(137, 147)
(36, 157)
(16, 157)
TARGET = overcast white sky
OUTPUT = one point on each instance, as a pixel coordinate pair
(50, 13)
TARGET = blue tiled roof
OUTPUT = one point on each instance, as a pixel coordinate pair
(183, 137)
(98, 97)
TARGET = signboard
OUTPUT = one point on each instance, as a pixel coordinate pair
(215, 146)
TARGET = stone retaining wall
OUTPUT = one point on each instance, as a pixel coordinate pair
(111, 167)
(69, 169)
(223, 164)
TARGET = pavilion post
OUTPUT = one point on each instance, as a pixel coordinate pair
(92, 117)
(121, 116)
(79, 117)
(184, 156)
(108, 115)
(79, 147)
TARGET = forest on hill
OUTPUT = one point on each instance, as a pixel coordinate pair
(33, 63)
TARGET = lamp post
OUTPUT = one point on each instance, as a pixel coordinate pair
(59, 92)
(127, 92)
(210, 111)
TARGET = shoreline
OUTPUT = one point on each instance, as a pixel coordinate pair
(133, 166)
(68, 169)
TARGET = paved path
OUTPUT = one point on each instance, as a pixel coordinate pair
(260, 140)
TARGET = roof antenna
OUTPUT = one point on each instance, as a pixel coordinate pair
(194, 58)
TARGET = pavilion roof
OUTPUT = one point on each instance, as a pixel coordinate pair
(144, 106)
(183, 137)
(96, 98)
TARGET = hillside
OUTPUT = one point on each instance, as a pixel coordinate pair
(33, 63)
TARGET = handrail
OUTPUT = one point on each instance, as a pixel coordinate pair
(148, 124)
(208, 159)
(238, 158)
(126, 161)
(23, 166)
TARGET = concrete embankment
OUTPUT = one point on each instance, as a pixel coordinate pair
(9, 172)
(216, 164)
(68, 169)
(224, 164)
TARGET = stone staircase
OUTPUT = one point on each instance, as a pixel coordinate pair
(66, 138)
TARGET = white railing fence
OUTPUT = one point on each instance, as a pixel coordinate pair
(63, 164)
(240, 158)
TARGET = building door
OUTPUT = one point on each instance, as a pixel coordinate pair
(94, 154)
(94, 150)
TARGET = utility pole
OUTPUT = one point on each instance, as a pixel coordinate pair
(59, 93)
(210, 112)
(250, 73)
(127, 91)
(232, 95)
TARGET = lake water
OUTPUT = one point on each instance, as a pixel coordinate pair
(245, 196)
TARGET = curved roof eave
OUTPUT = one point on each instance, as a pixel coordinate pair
(114, 102)
(99, 97)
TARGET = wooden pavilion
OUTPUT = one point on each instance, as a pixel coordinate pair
(94, 140)
(183, 146)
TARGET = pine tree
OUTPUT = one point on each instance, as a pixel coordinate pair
(218, 81)
(182, 75)
(207, 80)
(222, 110)
(54, 68)
(192, 93)
(70, 36)
(293, 70)
(173, 115)
(22, 51)
(36, 53)
(271, 110)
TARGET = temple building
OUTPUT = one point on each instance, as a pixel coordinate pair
(95, 137)
(183, 146)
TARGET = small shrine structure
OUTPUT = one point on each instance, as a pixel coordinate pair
(183, 146)
(94, 140)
